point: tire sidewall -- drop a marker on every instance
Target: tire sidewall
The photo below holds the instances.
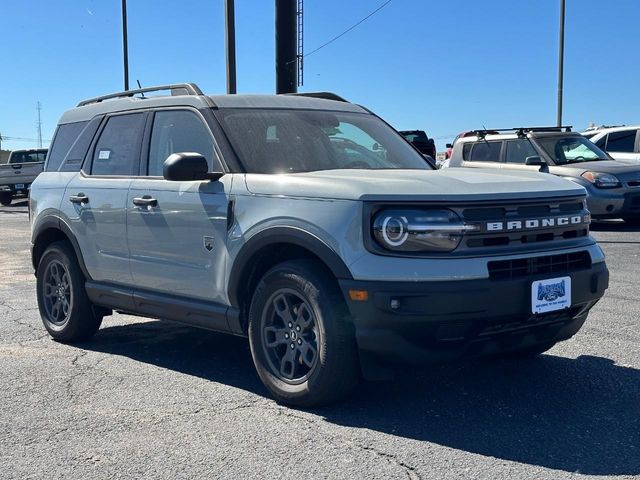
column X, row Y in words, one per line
column 313, row 289
column 53, row 254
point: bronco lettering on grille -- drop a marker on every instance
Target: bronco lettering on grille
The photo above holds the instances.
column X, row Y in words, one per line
column 534, row 223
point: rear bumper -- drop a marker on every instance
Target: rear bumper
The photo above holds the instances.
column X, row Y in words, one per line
column 446, row 321
column 14, row 190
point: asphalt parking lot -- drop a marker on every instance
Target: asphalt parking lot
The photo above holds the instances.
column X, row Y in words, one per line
column 158, row 400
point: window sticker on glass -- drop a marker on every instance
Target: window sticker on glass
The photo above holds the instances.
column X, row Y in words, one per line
column 104, row 154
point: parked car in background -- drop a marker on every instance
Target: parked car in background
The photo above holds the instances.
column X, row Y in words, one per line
column 307, row 225
column 622, row 143
column 420, row 140
column 21, row 169
column 613, row 187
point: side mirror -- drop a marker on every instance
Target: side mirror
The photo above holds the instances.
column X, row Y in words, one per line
column 449, row 145
column 188, row 166
column 535, row 160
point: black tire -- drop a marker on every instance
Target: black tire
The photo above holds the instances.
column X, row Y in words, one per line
column 307, row 291
column 633, row 220
column 5, row 199
column 61, row 282
column 529, row 352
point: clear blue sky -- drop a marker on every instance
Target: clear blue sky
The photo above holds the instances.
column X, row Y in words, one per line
column 442, row 66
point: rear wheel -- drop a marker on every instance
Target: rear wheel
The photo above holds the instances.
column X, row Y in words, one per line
column 65, row 309
column 301, row 342
column 5, row 198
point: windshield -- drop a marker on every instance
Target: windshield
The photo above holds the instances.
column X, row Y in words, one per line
column 574, row 149
column 291, row 141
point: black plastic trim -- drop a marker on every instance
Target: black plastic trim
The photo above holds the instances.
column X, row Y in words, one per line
column 276, row 235
column 54, row 222
column 194, row 312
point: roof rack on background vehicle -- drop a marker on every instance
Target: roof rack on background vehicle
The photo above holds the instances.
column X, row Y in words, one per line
column 175, row 89
column 520, row 130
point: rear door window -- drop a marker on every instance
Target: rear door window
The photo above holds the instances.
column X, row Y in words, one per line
column 485, row 152
column 623, row 142
column 117, row 151
column 518, row 151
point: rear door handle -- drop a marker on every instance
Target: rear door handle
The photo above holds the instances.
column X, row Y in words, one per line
column 79, row 199
column 145, row 201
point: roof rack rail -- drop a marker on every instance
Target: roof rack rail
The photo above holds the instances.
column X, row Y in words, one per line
column 176, row 89
column 324, row 95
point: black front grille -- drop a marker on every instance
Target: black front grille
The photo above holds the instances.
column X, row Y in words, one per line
column 521, row 212
column 552, row 264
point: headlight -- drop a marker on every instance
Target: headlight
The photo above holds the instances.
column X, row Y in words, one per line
column 408, row 230
column 602, row 180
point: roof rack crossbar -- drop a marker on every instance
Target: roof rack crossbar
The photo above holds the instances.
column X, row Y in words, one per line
column 521, row 130
column 324, row 95
column 176, row 89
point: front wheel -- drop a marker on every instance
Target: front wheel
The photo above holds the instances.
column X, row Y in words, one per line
column 64, row 306
column 5, row 198
column 301, row 341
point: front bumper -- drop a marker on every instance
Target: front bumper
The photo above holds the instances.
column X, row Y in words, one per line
column 614, row 203
column 446, row 321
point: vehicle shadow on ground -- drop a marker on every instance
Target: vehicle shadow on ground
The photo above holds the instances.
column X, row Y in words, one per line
column 575, row 415
column 613, row 226
column 17, row 206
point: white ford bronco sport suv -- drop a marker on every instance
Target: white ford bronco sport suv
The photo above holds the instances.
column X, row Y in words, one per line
column 309, row 225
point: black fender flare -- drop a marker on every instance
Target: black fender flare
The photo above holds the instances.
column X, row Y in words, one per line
column 54, row 222
column 288, row 235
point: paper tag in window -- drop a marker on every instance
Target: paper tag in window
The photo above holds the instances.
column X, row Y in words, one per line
column 104, row 154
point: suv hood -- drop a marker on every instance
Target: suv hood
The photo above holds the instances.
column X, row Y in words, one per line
column 605, row 166
column 453, row 184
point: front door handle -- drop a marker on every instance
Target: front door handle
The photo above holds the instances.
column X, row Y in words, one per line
column 79, row 199
column 145, row 201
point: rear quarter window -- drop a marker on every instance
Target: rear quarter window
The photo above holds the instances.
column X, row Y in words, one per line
column 63, row 139
column 483, row 152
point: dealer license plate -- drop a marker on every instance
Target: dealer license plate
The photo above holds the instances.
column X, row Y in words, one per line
column 551, row 294
column 19, row 186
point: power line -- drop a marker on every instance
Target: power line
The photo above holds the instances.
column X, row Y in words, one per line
column 349, row 29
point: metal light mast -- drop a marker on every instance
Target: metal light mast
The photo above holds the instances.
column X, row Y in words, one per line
column 39, row 107
column 560, row 64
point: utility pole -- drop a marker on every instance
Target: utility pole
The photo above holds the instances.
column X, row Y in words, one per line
column 561, row 64
column 286, row 46
column 230, row 30
column 125, row 48
column 39, row 107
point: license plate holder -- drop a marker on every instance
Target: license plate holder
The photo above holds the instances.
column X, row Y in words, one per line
column 550, row 295
column 19, row 186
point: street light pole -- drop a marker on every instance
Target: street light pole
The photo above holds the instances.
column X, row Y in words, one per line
column 561, row 64
column 230, row 30
column 125, row 48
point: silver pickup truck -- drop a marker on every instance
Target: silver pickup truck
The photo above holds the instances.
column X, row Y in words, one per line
column 21, row 170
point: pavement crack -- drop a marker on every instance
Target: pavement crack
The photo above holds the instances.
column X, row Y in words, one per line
column 393, row 459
